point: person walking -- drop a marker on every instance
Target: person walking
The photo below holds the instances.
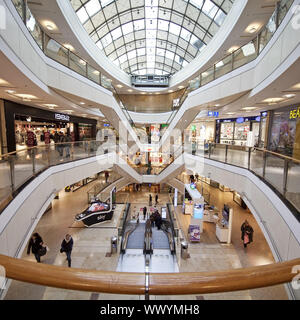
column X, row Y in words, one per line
column 67, row 246
column 156, row 199
column 67, row 139
column 144, row 212
column 247, row 233
column 150, row 200
column 36, row 246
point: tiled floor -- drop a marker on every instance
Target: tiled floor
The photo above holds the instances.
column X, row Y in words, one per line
column 92, row 244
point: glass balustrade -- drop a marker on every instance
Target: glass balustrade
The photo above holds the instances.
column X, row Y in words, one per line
column 292, row 191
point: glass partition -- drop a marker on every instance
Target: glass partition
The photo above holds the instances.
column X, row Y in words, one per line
column 19, row 4
column 56, row 51
column 274, row 171
column 293, row 185
column 93, row 74
column 207, row 76
column 224, row 66
column 34, row 28
column 245, row 54
column 77, row 64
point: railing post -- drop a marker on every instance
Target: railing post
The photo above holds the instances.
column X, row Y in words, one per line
column 285, row 176
column 226, row 152
column 209, row 151
column 11, row 160
column 69, row 58
column 24, row 9
column 232, row 61
column 33, row 153
column 249, row 158
column 264, row 164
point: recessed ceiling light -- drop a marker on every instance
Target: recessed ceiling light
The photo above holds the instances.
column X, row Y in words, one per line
column 96, row 72
column 143, row 92
column 252, row 28
column 232, row 49
column 157, row 92
column 296, row 86
column 217, row 105
column 49, row 25
column 180, row 87
column 249, row 108
column 82, row 62
column 3, row 82
column 129, row 90
column 119, row 86
column 25, row 96
column 289, row 95
column 230, row 113
column 170, row 91
column 50, row 105
column 272, row 100
column 69, row 46
column 82, row 103
column 10, row 91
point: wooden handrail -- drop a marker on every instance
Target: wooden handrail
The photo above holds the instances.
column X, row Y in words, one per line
column 159, row 283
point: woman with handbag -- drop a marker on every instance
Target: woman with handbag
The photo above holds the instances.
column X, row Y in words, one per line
column 67, row 246
column 36, row 246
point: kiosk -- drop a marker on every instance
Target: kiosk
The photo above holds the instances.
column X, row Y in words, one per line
column 224, row 225
column 98, row 211
column 194, row 205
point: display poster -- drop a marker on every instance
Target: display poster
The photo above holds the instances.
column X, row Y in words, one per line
column 194, row 233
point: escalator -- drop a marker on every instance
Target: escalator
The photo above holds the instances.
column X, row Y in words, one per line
column 145, row 247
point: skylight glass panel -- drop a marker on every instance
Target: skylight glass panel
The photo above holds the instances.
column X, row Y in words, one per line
column 105, row 2
column 175, row 28
column 82, row 15
column 106, row 40
column 92, row 7
column 99, row 44
column 196, row 3
column 131, row 54
column 117, row 33
column 139, row 24
column 220, row 17
column 169, row 55
column 210, row 8
column 185, row 34
column 123, row 58
column 163, row 25
column 160, row 52
column 127, row 28
column 141, row 52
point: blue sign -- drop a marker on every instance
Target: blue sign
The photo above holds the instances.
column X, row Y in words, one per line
column 264, row 114
column 213, row 113
column 240, row 120
column 106, row 124
column 257, row 119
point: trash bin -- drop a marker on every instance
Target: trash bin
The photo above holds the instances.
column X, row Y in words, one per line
column 114, row 244
column 184, row 250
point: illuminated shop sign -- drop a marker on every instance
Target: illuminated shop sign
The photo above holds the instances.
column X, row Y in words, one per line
column 239, row 120
column 213, row 114
column 264, row 114
column 106, row 124
column 295, row 113
column 63, row 117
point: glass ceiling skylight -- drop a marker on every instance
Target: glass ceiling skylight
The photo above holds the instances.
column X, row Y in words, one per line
column 151, row 36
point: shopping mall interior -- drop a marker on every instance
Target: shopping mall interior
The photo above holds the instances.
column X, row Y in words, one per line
column 150, row 150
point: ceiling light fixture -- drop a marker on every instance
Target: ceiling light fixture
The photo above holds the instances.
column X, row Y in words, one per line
column 232, row 49
column 49, row 25
column 82, row 103
column 26, row 96
column 289, row 95
column 180, row 87
column 129, row 90
column 3, row 82
column 119, row 86
column 252, row 28
column 249, row 108
column 273, row 100
column 69, row 46
column 10, row 91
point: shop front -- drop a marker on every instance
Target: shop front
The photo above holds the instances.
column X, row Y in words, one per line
column 243, row 131
column 26, row 126
column 285, row 131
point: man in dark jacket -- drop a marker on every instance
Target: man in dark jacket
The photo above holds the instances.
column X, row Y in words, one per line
column 67, row 246
column 35, row 244
column 144, row 212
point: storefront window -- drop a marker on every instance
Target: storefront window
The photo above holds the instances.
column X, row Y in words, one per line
column 227, row 132
column 241, row 131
